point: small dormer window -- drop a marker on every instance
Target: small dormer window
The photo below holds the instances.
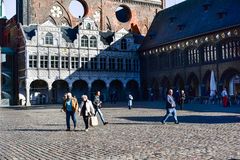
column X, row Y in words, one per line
column 221, row 14
column 93, row 41
column 123, row 44
column 181, row 27
column 84, row 41
column 206, row 7
column 88, row 26
column 49, row 38
column 172, row 19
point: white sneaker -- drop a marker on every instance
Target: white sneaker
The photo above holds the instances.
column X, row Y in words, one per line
column 86, row 130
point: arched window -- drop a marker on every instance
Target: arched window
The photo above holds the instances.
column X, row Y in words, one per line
column 93, row 41
column 231, row 49
column 49, row 38
column 88, row 26
column 193, row 56
column 84, row 41
column 209, row 53
column 123, row 44
column 177, row 58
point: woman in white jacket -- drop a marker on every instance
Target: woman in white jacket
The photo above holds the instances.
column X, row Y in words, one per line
column 86, row 109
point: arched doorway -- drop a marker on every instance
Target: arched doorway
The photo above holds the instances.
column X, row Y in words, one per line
column 165, row 85
column 231, row 80
column 38, row 92
column 133, row 88
column 154, row 95
column 205, row 90
column 116, row 91
column 178, row 82
column 59, row 88
column 99, row 85
column 193, row 84
column 79, row 88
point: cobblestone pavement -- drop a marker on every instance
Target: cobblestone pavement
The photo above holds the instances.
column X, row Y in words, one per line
column 204, row 132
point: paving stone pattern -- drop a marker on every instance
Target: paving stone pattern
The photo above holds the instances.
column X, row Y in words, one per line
column 205, row 132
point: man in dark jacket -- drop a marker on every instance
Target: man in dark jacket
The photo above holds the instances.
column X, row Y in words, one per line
column 170, row 107
column 97, row 105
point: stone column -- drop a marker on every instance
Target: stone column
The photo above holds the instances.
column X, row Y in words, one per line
column 50, row 94
column 28, row 95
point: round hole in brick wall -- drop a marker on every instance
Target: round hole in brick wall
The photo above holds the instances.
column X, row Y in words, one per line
column 78, row 8
column 123, row 13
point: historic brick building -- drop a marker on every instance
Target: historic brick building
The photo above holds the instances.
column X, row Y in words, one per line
column 188, row 41
column 58, row 52
column 108, row 14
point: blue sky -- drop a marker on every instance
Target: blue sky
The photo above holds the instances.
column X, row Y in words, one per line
column 10, row 6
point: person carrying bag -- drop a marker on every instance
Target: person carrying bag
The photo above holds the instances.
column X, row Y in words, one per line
column 86, row 110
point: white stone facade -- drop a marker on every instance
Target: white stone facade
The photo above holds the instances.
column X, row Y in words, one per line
column 56, row 62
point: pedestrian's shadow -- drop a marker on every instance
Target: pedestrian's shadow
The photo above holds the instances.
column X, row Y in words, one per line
column 44, row 130
column 188, row 119
column 37, row 130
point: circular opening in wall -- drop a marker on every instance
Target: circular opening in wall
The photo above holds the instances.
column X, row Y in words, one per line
column 123, row 13
column 78, row 8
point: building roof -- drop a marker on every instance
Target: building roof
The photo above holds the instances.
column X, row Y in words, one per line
column 191, row 18
column 69, row 34
column 30, row 31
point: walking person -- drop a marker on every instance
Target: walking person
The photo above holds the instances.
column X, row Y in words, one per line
column 130, row 101
column 97, row 103
column 224, row 97
column 182, row 98
column 170, row 107
column 70, row 107
column 86, row 110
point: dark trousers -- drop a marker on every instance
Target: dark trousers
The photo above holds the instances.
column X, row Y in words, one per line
column 85, row 119
column 73, row 115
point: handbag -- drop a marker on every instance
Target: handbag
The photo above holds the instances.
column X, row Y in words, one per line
column 93, row 121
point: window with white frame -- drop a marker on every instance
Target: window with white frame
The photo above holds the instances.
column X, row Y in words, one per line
column 193, row 56
column 32, row 61
column 119, row 64
column 128, row 65
column 135, row 65
column 74, row 62
column 84, row 41
column 43, row 61
column 111, row 64
column 231, row 49
column 94, row 63
column 88, row 26
column 84, row 62
column 49, row 38
column 93, row 41
column 103, row 63
column 65, row 63
column 54, row 62
column 209, row 53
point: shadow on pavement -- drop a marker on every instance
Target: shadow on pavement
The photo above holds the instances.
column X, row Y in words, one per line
column 189, row 119
column 38, row 130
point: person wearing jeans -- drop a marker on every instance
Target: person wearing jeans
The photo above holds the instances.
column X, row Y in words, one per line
column 170, row 107
column 70, row 106
column 97, row 105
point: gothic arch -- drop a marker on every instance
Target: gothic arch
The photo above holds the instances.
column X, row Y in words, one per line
column 178, row 82
column 133, row 87
column 193, row 84
column 39, row 92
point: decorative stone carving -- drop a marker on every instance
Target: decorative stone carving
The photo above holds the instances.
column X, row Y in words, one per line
column 56, row 11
